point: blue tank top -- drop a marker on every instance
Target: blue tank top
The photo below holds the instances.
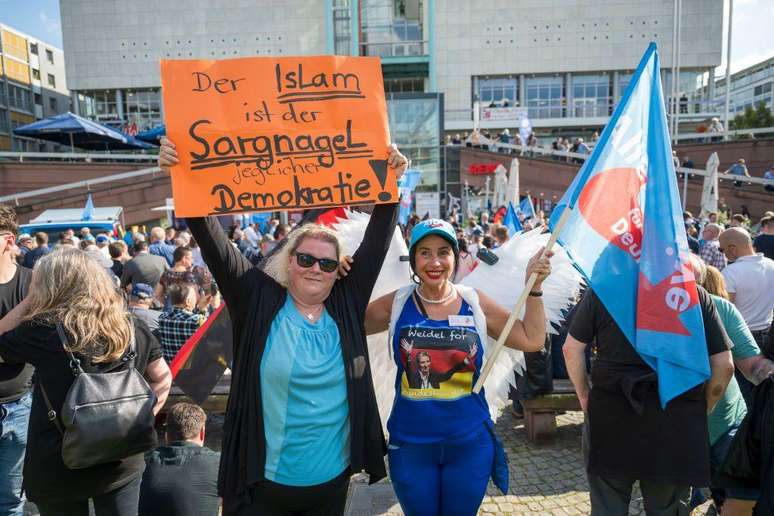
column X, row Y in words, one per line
column 438, row 364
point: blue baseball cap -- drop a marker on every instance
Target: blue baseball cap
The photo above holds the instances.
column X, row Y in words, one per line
column 142, row 291
column 101, row 239
column 433, row 227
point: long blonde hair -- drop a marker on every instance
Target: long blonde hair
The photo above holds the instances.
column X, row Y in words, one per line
column 71, row 288
column 277, row 267
column 715, row 283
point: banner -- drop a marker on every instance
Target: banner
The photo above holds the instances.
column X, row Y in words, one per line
column 504, row 114
column 266, row 134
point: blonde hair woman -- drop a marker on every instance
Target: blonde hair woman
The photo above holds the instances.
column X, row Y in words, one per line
column 72, row 289
column 302, row 414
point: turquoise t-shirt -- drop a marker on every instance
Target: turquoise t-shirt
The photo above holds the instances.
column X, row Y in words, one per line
column 304, row 393
column 731, row 408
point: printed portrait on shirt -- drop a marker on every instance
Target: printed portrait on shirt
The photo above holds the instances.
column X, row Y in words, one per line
column 438, row 363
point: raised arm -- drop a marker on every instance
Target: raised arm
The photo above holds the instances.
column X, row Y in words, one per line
column 369, row 257
column 378, row 314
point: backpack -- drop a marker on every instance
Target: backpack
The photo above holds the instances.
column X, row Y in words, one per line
column 106, row 416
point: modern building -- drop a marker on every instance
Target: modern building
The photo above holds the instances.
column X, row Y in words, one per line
column 562, row 63
column 749, row 87
column 32, row 86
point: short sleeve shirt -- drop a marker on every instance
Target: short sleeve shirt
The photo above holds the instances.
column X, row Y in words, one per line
column 751, row 280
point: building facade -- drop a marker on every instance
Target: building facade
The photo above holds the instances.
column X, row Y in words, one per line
column 561, row 63
column 749, row 87
column 32, row 87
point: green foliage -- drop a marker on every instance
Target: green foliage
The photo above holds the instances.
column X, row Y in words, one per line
column 753, row 118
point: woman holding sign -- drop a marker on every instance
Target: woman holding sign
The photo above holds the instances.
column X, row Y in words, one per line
column 302, row 414
column 442, row 448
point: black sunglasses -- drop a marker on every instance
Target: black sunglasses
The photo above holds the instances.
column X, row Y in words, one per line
column 307, row 260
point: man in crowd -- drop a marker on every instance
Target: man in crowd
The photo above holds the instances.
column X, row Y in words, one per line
column 25, row 244
column 750, row 284
column 485, row 227
column 42, row 249
column 769, row 174
column 140, row 301
column 119, row 254
column 738, row 169
column 143, row 268
column 710, row 249
column 764, row 242
column 103, row 242
column 181, row 477
column 169, row 235
column 628, row 436
column 501, row 236
column 253, row 234
column 159, row 247
column 15, row 380
column 177, row 325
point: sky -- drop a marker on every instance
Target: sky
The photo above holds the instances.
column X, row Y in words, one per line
column 752, row 41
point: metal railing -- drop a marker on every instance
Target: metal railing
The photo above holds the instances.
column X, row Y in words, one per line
column 152, row 171
column 91, row 157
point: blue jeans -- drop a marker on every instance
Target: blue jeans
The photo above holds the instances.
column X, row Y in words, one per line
column 14, row 417
column 447, row 478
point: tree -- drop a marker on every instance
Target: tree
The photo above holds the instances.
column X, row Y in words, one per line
column 754, row 118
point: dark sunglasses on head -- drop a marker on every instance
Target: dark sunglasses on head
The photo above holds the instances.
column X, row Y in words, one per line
column 307, row 260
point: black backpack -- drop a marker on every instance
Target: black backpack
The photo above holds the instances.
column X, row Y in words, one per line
column 106, row 416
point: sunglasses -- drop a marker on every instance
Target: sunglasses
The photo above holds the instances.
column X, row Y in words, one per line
column 307, row 260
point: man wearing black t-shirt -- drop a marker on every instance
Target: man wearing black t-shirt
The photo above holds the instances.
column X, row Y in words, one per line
column 15, row 380
column 764, row 242
column 181, row 477
column 628, row 436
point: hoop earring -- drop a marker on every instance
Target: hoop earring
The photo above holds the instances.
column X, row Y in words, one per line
column 414, row 277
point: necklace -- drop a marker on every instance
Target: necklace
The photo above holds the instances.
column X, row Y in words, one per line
column 451, row 294
column 309, row 315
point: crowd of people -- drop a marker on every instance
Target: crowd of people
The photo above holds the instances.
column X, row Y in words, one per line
column 302, row 415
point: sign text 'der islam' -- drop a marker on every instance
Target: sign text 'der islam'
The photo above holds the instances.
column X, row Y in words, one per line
column 265, row 134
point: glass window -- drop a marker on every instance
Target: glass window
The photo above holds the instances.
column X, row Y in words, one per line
column 51, row 80
column 19, row 98
column 495, row 91
column 34, row 48
column 391, row 28
column 4, row 121
column 36, row 74
column 591, row 95
column 415, row 128
column 38, row 99
column 544, row 96
column 342, row 31
column 50, row 56
column 52, row 104
column 404, row 85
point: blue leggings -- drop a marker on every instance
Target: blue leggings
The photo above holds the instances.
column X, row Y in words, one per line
column 444, row 479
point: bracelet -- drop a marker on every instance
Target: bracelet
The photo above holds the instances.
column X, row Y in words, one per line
column 534, row 293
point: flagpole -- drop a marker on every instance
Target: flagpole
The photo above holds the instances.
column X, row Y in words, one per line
column 726, row 128
column 498, row 347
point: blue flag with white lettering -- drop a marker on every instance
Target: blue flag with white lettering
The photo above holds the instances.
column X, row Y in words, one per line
column 511, row 221
column 626, row 235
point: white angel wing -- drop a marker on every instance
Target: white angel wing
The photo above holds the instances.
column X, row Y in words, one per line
column 504, row 282
column 394, row 274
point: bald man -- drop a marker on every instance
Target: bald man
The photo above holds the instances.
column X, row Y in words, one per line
column 710, row 248
column 750, row 283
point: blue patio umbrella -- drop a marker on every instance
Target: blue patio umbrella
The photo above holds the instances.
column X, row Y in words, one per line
column 77, row 131
column 152, row 135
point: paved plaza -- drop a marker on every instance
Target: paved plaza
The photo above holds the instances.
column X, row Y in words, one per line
column 545, row 480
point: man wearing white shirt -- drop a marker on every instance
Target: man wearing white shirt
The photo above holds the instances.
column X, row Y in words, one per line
column 750, row 283
column 252, row 235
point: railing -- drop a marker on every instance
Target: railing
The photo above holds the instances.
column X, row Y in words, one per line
column 709, row 137
column 395, row 49
column 30, row 157
column 523, row 150
column 80, row 184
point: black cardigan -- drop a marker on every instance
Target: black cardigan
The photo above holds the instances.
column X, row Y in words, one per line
column 253, row 299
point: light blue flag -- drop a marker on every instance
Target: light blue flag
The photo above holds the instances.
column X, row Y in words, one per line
column 526, row 208
column 625, row 234
column 88, row 210
column 511, row 221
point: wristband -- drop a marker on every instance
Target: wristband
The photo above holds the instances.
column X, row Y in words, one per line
column 534, row 293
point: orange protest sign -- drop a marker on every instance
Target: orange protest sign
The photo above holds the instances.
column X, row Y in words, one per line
column 260, row 134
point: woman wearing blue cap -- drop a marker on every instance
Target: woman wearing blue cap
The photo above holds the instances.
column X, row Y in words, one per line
column 442, row 447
